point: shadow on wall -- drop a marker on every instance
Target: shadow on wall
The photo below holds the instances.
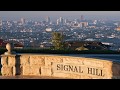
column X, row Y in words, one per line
column 18, row 66
column 116, row 70
column 0, row 64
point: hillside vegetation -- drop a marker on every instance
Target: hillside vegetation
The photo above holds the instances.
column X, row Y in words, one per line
column 49, row 51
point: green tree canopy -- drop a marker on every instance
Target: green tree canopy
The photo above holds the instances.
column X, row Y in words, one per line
column 57, row 40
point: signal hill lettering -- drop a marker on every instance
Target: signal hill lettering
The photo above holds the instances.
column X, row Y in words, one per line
column 79, row 69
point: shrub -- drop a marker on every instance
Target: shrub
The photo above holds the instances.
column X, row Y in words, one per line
column 66, row 51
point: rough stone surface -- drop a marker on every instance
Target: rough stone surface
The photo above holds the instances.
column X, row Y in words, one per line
column 7, row 71
column 4, row 61
column 93, row 62
column 24, row 60
column 59, row 66
column 11, row 61
column 46, row 71
column 37, row 60
column 73, row 60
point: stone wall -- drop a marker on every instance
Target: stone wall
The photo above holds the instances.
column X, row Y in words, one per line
column 59, row 66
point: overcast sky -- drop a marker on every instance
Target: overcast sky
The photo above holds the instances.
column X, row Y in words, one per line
column 40, row 15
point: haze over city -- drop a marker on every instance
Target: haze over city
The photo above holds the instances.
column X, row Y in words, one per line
column 35, row 28
column 40, row 15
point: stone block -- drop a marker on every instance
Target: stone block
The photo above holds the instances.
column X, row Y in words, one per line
column 4, row 61
column 73, row 60
column 37, row 60
column 85, row 77
column 50, row 59
column 26, row 70
column 68, row 68
column 62, row 75
column 46, row 71
column 11, row 61
column 25, row 60
column 75, row 69
column 75, row 76
column 35, row 70
column 31, row 70
column 7, row 71
column 93, row 62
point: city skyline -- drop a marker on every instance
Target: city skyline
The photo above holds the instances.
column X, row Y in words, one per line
column 39, row 32
column 40, row 15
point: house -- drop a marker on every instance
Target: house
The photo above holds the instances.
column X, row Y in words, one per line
column 2, row 43
column 86, row 45
column 18, row 45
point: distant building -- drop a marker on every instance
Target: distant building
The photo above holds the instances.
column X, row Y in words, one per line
column 48, row 20
column 0, row 22
column 86, row 45
column 18, row 45
column 81, row 48
column 2, row 43
column 22, row 21
column 48, row 29
column 60, row 21
column 82, row 18
column 118, row 28
column 66, row 21
column 95, row 22
column 46, row 45
column 57, row 21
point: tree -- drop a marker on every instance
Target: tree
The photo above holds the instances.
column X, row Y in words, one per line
column 57, row 40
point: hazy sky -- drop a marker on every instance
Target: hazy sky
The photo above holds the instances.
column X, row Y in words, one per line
column 40, row 15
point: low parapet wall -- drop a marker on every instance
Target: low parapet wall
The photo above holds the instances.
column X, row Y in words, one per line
column 59, row 66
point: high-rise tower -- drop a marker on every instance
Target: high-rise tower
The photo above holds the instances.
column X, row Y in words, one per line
column 0, row 22
column 22, row 20
column 48, row 19
column 82, row 18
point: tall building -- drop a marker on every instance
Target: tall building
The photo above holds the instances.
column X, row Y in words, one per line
column 83, row 24
column 95, row 22
column 58, row 21
column 82, row 18
column 48, row 19
column 0, row 22
column 61, row 21
column 22, row 21
column 66, row 21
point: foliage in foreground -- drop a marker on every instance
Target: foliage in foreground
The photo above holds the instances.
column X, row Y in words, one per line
column 0, row 73
column 49, row 51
